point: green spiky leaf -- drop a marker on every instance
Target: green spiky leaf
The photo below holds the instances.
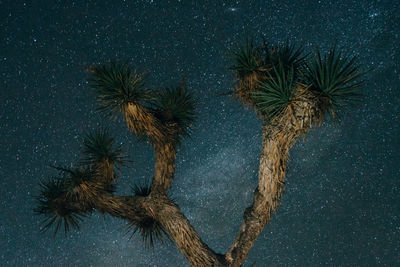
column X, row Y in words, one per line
column 246, row 59
column 273, row 95
column 117, row 85
column 174, row 107
column 334, row 77
column 287, row 55
column 99, row 147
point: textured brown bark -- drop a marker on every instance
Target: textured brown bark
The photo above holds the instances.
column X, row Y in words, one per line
column 266, row 197
column 277, row 138
column 167, row 213
column 164, row 167
column 246, row 86
column 183, row 234
column 157, row 205
column 143, row 123
column 130, row 208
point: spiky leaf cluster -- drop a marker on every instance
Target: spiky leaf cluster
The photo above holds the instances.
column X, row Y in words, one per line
column 246, row 59
column 335, row 77
column 81, row 185
column 149, row 229
column 53, row 205
column 283, row 71
column 141, row 190
column 117, row 85
column 154, row 115
column 99, row 147
column 174, row 107
column 275, row 93
column 285, row 54
column 277, row 87
column 66, row 199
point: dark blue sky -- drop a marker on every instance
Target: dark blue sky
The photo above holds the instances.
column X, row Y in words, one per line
column 342, row 200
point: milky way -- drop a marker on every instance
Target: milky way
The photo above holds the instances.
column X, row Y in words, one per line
column 342, row 199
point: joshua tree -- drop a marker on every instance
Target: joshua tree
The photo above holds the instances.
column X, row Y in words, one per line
column 289, row 91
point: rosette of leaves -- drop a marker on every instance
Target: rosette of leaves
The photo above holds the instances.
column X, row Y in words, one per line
column 247, row 59
column 142, row 190
column 335, row 78
column 98, row 148
column 117, row 85
column 149, row 229
column 54, row 206
column 84, row 185
column 285, row 54
column 275, row 93
column 174, row 108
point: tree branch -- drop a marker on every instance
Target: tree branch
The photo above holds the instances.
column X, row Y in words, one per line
column 277, row 138
column 163, row 210
column 164, row 167
column 142, row 122
column 182, row 233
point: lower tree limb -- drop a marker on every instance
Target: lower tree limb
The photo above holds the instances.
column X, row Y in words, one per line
column 162, row 209
column 179, row 229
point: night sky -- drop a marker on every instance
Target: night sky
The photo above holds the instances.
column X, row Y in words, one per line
column 341, row 205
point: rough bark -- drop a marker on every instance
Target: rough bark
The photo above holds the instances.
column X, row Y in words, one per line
column 246, row 86
column 142, row 122
column 164, row 167
column 130, row 208
column 266, row 197
column 277, row 138
column 160, row 208
column 183, row 234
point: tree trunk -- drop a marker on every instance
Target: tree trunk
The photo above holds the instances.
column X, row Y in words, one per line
column 278, row 136
column 266, row 196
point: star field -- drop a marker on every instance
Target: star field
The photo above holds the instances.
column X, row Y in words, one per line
column 341, row 204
